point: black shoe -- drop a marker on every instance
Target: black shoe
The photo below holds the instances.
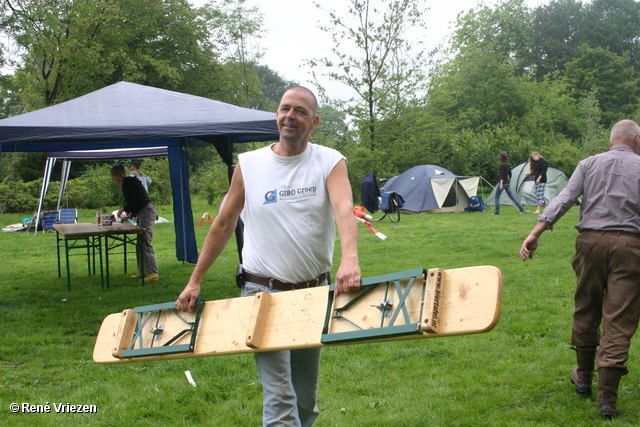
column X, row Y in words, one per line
column 608, row 410
column 582, row 387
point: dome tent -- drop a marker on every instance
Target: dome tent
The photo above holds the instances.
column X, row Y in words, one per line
column 524, row 187
column 430, row 188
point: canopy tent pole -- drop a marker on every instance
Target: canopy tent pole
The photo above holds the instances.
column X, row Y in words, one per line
column 64, row 178
column 45, row 186
column 186, row 249
column 226, row 152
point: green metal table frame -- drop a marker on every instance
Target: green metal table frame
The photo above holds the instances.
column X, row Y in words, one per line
column 89, row 236
column 393, row 310
column 115, row 240
column 149, row 317
column 91, row 240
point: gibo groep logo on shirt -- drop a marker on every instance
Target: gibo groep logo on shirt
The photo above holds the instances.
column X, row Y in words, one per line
column 290, row 196
column 271, row 197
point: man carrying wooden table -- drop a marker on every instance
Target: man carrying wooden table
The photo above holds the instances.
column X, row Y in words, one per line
column 288, row 194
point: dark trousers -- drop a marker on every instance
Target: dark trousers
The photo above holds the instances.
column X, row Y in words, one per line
column 145, row 254
column 607, row 267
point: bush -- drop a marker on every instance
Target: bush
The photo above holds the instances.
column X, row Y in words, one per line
column 20, row 197
column 160, row 189
column 94, row 189
column 211, row 181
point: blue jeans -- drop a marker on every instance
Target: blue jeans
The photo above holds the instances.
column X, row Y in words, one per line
column 507, row 188
column 289, row 381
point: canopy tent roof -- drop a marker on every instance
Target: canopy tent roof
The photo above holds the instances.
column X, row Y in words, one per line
column 128, row 111
column 129, row 115
column 116, row 153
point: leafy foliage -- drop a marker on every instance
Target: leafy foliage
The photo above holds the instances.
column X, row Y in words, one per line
column 375, row 59
column 93, row 189
column 552, row 78
column 210, row 180
column 70, row 48
column 20, row 196
column 610, row 77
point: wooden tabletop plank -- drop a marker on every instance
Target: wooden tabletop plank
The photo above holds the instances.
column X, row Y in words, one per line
column 87, row 229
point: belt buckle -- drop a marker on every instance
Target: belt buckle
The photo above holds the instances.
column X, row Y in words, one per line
column 310, row 282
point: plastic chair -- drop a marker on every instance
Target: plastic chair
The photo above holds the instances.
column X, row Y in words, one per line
column 68, row 216
column 48, row 219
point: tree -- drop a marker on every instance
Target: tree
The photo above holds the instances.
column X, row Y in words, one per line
column 607, row 75
column 273, row 87
column 333, row 130
column 594, row 134
column 615, row 26
column 9, row 103
column 51, row 35
column 72, row 47
column 560, row 27
column 479, row 89
column 504, row 31
column 556, row 35
column 237, row 31
column 375, row 59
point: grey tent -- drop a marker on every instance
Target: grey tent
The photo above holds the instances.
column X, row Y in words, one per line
column 524, row 187
column 429, row 188
column 128, row 115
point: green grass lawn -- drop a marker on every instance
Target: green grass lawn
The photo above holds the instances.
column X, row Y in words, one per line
column 515, row 375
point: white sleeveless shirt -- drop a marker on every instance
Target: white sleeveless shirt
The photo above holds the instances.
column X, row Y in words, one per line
column 289, row 230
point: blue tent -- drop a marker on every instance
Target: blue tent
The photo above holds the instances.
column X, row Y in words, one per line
column 129, row 115
column 429, row 188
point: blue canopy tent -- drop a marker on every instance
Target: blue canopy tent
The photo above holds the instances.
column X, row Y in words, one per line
column 129, row 115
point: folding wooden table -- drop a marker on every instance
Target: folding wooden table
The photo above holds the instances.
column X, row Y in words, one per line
column 120, row 235
column 89, row 236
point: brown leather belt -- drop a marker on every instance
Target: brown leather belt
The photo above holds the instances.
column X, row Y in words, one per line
column 616, row 232
column 278, row 285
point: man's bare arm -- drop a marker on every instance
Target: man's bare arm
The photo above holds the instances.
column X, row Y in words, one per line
column 219, row 234
column 348, row 275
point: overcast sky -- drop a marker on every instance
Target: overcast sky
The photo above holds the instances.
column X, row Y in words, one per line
column 292, row 34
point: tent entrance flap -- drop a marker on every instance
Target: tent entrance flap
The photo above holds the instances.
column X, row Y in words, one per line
column 442, row 189
column 186, row 249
